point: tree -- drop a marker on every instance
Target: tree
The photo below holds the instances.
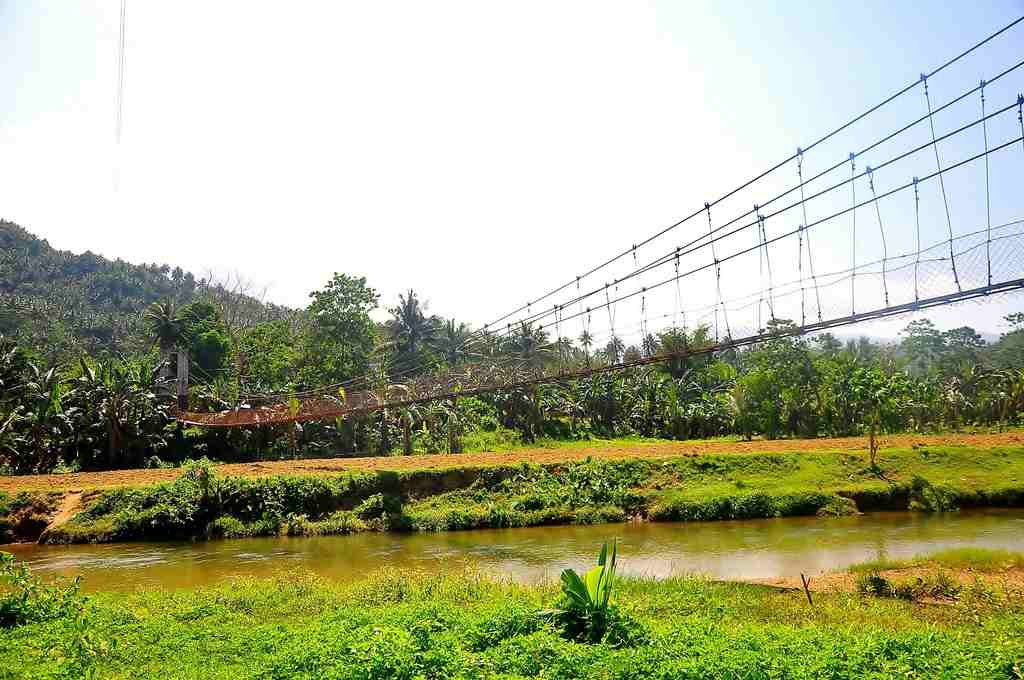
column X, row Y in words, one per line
column 413, row 331
column 779, row 388
column 118, row 419
column 166, row 325
column 205, row 337
column 586, row 342
column 529, row 343
column 923, row 345
column 678, row 344
column 452, row 342
column 829, row 344
column 266, row 356
column 650, row 345
column 1008, row 352
column 963, row 347
column 614, row 350
column 338, row 338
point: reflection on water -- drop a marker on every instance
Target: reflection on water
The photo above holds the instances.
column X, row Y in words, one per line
column 740, row 549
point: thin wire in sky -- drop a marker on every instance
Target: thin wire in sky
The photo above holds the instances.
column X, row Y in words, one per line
column 119, row 103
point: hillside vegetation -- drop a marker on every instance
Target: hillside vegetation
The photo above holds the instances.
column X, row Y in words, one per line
column 60, row 305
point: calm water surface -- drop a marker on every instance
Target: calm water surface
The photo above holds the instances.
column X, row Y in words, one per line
column 739, row 549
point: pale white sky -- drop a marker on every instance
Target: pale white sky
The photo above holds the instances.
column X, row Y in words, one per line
column 479, row 152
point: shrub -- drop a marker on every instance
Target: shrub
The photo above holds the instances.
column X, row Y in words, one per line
column 227, row 527
column 378, row 505
column 873, row 584
column 25, row 599
column 930, row 498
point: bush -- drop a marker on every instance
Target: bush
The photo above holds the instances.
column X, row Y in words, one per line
column 25, row 599
column 929, row 498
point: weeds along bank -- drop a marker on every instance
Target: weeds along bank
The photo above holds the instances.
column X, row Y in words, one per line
column 403, row 625
column 200, row 504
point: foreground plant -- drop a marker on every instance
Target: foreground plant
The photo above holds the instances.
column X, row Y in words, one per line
column 588, row 614
column 26, row 599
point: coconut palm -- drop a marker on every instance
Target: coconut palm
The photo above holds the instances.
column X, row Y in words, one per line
column 614, row 349
column 529, row 343
column 166, row 325
column 586, row 342
column 412, row 329
column 452, row 342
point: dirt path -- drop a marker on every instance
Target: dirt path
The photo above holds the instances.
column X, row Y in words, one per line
column 606, row 451
column 70, row 506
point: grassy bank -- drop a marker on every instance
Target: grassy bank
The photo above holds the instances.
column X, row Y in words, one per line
column 405, row 625
column 706, row 487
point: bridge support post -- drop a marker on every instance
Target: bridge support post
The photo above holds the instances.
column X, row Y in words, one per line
column 384, row 445
column 182, row 379
column 406, row 433
column 454, row 444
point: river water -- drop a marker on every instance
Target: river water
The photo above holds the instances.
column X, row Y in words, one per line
column 751, row 549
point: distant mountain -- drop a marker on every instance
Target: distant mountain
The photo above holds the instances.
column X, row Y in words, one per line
column 59, row 303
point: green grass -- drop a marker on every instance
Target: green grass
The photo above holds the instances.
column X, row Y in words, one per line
column 974, row 559
column 690, row 488
column 403, row 625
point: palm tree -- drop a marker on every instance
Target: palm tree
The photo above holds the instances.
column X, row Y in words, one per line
column 166, row 325
column 650, row 345
column 586, row 341
column 411, row 328
column 452, row 342
column 614, row 349
column 529, row 344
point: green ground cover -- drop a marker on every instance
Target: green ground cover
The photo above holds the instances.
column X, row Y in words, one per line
column 705, row 487
column 985, row 560
column 402, row 626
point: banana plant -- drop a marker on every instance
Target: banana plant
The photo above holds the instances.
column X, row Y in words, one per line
column 588, row 597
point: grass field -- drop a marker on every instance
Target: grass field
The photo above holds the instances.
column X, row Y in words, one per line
column 402, row 626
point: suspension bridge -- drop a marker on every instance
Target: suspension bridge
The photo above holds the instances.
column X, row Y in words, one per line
column 923, row 212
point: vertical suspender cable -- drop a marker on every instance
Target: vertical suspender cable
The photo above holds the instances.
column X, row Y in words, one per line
column 718, row 280
column 810, row 255
column 768, row 262
column 760, row 276
column 988, row 194
column 942, row 182
column 917, row 224
column 853, row 241
column 881, row 230
column 800, row 239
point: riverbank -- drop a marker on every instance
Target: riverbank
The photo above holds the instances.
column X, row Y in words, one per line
column 201, row 504
column 400, row 624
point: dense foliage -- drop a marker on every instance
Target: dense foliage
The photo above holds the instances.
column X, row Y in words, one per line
column 75, row 398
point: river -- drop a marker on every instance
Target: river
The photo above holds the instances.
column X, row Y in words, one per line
column 752, row 549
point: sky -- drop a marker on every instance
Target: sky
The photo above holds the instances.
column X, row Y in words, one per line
column 483, row 153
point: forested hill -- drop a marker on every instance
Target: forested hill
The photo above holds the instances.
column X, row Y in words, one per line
column 62, row 304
